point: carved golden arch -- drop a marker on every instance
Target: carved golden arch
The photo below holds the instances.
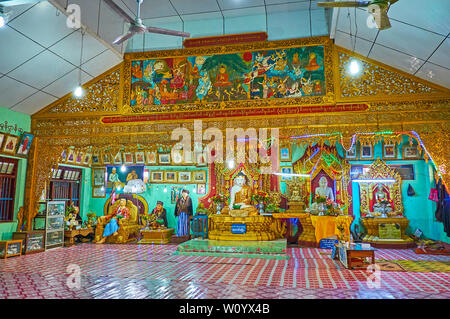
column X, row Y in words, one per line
column 377, row 171
column 225, row 176
column 326, row 159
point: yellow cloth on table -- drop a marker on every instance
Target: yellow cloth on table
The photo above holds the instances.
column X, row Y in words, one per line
column 326, row 226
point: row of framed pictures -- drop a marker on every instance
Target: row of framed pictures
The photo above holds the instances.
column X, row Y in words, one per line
column 68, row 174
column 16, row 145
column 389, row 152
column 181, row 177
column 176, row 157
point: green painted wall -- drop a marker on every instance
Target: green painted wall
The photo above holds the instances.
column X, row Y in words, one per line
column 152, row 195
column 13, row 123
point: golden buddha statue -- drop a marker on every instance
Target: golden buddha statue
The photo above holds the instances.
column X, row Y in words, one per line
column 240, row 195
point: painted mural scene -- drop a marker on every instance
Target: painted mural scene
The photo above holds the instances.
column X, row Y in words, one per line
column 282, row 73
column 247, row 156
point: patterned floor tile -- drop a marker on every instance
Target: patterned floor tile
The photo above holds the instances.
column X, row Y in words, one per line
column 152, row 271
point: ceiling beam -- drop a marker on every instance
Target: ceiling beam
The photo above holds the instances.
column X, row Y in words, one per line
column 88, row 30
column 11, row 3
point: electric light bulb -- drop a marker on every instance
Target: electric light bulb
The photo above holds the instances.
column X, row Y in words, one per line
column 165, row 189
column 123, row 168
column 2, row 21
column 354, row 67
column 78, row 91
column 230, row 164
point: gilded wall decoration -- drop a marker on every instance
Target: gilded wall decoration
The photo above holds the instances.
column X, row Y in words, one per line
column 101, row 95
column 422, row 109
column 377, row 80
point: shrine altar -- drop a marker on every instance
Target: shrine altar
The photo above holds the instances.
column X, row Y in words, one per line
column 257, row 228
column 156, row 236
column 316, row 227
column 326, row 226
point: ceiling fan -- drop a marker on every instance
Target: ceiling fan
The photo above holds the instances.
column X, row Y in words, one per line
column 136, row 25
column 377, row 8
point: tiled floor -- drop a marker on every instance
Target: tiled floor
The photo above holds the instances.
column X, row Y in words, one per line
column 151, row 271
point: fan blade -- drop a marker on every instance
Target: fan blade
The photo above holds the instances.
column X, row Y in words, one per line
column 119, row 11
column 344, row 4
column 123, row 38
column 168, row 32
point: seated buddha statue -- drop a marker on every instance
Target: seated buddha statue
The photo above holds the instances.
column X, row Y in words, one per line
column 379, row 197
column 240, row 195
column 323, row 189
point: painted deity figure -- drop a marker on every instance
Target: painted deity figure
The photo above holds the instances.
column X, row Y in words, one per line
column 323, row 189
column 204, row 85
column 379, row 197
column 222, row 78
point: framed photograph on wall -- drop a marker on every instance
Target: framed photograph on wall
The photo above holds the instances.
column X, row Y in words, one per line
column 410, row 152
column 118, row 158
column 164, row 158
column 79, row 158
column 63, row 156
column 25, row 144
column 389, row 151
column 106, row 158
column 285, row 154
column 366, row 152
column 140, row 157
column 98, row 192
column 184, row 177
column 286, row 170
column 128, row 158
column 98, row 176
column 157, row 177
column 2, row 138
column 351, row 154
column 10, row 144
column 87, row 159
column 200, row 177
column 200, row 159
column 151, row 157
column 170, row 177
column 177, row 156
column 71, row 156
column 201, row 189
column 95, row 159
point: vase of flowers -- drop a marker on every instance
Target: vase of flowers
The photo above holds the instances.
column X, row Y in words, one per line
column 261, row 197
column 321, row 202
column 219, row 201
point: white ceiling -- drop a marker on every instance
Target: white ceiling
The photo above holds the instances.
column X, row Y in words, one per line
column 40, row 62
column 418, row 41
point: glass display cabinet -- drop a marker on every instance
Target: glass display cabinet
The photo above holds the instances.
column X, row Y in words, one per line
column 55, row 224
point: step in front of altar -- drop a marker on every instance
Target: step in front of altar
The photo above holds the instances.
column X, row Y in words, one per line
column 274, row 249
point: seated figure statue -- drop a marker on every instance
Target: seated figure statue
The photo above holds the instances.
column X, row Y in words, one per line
column 240, row 195
column 379, row 197
column 112, row 226
column 323, row 189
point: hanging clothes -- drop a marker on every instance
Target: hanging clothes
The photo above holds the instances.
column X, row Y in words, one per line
column 442, row 213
